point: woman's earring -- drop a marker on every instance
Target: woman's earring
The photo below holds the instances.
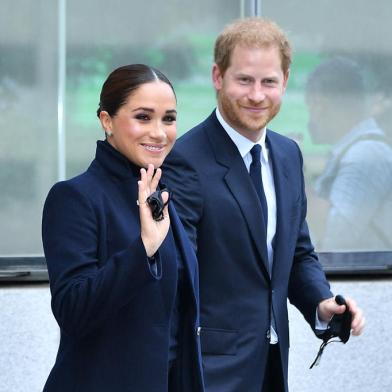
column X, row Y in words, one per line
column 108, row 133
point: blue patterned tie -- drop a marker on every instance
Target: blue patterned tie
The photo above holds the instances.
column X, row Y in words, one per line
column 255, row 175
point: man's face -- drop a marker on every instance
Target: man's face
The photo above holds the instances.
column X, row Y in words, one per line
column 318, row 119
column 329, row 117
column 251, row 90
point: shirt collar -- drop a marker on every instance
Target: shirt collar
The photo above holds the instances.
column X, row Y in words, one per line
column 243, row 144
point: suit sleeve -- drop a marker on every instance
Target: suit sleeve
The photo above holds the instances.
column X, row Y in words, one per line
column 183, row 180
column 308, row 284
column 87, row 291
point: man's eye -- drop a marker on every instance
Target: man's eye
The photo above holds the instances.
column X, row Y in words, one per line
column 244, row 80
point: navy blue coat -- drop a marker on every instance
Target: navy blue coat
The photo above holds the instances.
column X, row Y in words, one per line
column 221, row 212
column 114, row 312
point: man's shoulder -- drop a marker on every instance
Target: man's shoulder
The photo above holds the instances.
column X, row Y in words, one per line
column 198, row 132
column 277, row 141
column 195, row 142
column 279, row 137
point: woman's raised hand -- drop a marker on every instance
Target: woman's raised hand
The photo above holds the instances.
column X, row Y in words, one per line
column 152, row 232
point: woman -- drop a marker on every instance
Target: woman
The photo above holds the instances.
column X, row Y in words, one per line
column 124, row 285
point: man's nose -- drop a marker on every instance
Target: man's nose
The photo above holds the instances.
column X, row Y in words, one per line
column 256, row 93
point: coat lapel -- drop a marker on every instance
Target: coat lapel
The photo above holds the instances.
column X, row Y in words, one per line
column 240, row 185
column 184, row 246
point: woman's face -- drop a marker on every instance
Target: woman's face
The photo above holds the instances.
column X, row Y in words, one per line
column 144, row 128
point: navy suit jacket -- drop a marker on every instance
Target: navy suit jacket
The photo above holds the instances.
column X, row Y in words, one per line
column 113, row 310
column 221, row 212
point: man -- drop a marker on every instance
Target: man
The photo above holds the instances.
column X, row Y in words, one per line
column 356, row 179
column 250, row 260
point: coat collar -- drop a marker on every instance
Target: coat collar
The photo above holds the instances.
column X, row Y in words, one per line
column 115, row 163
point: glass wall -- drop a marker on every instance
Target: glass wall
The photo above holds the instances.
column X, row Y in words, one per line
column 337, row 106
column 175, row 36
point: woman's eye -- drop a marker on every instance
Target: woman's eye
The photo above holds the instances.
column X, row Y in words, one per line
column 142, row 116
column 169, row 119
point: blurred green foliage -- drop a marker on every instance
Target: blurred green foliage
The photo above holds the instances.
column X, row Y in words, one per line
column 188, row 65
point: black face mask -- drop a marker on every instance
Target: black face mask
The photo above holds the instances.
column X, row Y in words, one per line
column 339, row 327
column 156, row 203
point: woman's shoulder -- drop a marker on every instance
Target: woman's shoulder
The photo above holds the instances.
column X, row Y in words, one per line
column 82, row 186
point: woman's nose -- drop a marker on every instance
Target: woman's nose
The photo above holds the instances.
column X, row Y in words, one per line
column 158, row 130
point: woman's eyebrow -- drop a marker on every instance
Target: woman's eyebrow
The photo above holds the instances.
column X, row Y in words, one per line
column 143, row 108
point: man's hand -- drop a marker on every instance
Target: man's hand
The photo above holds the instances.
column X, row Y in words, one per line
column 327, row 308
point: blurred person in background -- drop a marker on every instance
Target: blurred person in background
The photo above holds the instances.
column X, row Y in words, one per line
column 356, row 181
column 382, row 102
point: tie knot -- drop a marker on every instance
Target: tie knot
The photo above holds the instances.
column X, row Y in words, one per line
column 255, row 151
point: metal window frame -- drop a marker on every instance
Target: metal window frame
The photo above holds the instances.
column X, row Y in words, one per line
column 355, row 265
column 250, row 8
column 61, row 85
column 23, row 269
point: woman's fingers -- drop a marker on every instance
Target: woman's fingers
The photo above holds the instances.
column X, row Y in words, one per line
column 150, row 175
column 150, row 178
column 165, row 196
column 148, row 184
column 155, row 180
column 143, row 187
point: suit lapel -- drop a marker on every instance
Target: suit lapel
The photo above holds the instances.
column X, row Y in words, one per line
column 239, row 183
column 280, row 174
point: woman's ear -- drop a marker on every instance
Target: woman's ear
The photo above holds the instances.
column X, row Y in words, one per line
column 106, row 122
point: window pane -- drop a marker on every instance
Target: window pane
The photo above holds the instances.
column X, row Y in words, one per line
column 178, row 39
column 338, row 107
column 28, row 104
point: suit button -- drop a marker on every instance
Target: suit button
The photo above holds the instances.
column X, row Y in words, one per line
column 268, row 335
column 198, row 331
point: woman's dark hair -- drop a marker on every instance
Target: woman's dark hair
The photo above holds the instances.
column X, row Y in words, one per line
column 123, row 81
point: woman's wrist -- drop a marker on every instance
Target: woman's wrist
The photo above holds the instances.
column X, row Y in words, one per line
column 149, row 248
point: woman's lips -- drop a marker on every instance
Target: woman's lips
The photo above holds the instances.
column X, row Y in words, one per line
column 155, row 148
